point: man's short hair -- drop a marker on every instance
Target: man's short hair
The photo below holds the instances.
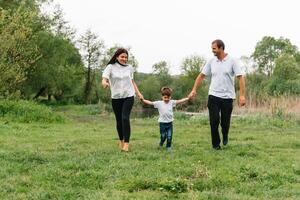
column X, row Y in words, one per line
column 166, row 91
column 220, row 44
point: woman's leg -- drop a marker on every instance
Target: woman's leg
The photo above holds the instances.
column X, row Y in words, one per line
column 126, row 110
column 117, row 105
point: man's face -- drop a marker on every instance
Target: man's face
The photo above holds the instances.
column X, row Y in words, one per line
column 216, row 51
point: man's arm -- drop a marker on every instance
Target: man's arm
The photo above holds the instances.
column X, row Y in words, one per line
column 242, row 99
column 197, row 84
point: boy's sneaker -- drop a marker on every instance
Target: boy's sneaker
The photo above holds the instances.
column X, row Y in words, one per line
column 169, row 149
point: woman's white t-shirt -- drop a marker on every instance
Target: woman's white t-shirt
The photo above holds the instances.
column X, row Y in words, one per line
column 120, row 80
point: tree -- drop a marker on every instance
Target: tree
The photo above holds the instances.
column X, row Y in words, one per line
column 269, row 49
column 92, row 49
column 58, row 72
column 161, row 70
column 18, row 52
column 248, row 64
column 286, row 79
column 191, row 65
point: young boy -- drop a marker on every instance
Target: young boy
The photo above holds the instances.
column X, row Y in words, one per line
column 165, row 109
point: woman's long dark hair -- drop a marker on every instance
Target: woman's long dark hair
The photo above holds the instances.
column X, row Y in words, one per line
column 113, row 60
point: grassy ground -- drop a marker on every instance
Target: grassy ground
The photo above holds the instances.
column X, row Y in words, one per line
column 79, row 159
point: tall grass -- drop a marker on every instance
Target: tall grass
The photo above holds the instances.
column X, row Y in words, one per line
column 27, row 111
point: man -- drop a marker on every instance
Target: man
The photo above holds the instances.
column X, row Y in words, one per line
column 222, row 69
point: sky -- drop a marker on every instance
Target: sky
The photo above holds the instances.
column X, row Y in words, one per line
column 172, row 30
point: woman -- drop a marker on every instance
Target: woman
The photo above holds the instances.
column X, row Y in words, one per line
column 119, row 76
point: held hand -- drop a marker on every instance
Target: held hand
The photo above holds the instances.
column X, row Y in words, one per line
column 192, row 94
column 242, row 101
column 141, row 97
column 105, row 85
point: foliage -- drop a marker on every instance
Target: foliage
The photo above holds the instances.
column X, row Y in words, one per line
column 269, row 49
column 286, row 78
column 92, row 49
column 18, row 52
column 161, row 71
column 27, row 111
column 191, row 66
column 59, row 71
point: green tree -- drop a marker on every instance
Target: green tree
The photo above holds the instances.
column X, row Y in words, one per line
column 92, row 49
column 59, row 71
column 286, row 79
column 269, row 49
column 18, row 52
column 191, row 65
column 161, row 70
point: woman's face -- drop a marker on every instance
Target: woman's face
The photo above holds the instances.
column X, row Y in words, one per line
column 123, row 58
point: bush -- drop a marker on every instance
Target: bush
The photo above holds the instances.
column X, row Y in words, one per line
column 27, row 111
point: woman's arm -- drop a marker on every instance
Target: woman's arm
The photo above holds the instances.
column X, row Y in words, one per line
column 137, row 91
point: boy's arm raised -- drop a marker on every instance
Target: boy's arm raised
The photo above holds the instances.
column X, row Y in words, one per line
column 145, row 101
column 182, row 100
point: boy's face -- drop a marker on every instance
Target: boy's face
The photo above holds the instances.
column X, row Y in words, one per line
column 166, row 98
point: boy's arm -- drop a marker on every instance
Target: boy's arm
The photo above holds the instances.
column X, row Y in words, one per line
column 145, row 101
column 182, row 100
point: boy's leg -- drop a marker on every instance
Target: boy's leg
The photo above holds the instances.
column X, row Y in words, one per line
column 163, row 136
column 169, row 135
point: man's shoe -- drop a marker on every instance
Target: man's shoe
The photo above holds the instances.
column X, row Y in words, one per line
column 217, row 148
column 225, row 141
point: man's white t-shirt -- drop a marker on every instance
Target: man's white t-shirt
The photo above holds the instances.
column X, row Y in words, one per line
column 120, row 80
column 165, row 110
column 222, row 76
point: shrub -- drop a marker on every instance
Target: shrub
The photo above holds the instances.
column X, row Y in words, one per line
column 27, row 111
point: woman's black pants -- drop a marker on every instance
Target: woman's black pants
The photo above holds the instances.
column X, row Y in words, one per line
column 122, row 108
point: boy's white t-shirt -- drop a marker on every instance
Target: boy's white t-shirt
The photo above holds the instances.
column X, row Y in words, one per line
column 165, row 110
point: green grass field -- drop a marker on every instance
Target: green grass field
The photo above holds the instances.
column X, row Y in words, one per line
column 79, row 159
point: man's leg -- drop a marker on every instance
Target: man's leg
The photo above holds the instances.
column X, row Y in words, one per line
column 226, row 110
column 214, row 119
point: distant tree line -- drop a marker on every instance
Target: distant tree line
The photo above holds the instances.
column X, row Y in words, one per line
column 40, row 59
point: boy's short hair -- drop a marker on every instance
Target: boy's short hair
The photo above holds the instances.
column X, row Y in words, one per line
column 166, row 91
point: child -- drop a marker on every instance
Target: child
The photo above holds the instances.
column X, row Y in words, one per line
column 165, row 109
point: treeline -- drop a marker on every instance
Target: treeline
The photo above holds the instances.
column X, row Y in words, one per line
column 40, row 59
